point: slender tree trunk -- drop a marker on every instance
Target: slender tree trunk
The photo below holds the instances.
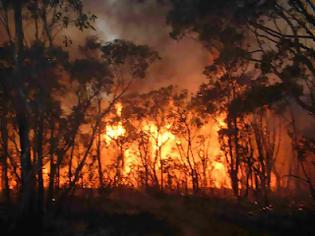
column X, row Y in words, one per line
column 155, row 174
column 50, row 190
column 46, row 26
column 144, row 161
column 5, row 177
column 70, row 164
column 58, row 177
column 98, row 152
column 99, row 162
column 233, row 154
column 39, row 145
column 161, row 170
column 27, row 204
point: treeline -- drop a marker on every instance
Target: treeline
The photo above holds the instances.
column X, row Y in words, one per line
column 55, row 111
column 263, row 58
column 47, row 100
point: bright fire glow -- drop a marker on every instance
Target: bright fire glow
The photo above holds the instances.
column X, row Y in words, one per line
column 115, row 131
column 220, row 177
column 163, row 143
column 163, row 150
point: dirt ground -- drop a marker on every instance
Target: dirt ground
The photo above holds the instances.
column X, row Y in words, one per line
column 128, row 212
column 133, row 213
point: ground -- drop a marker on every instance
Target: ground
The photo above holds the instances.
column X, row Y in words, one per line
column 127, row 212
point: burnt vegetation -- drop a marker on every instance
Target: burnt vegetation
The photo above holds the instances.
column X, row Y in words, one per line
column 83, row 151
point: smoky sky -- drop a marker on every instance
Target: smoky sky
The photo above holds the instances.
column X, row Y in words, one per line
column 144, row 22
column 183, row 61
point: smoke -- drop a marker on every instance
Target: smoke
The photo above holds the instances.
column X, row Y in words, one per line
column 144, row 22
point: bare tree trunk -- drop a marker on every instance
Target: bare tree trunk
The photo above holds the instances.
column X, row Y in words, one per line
column 155, row 175
column 161, row 169
column 98, row 152
column 70, row 163
column 58, row 176
column 27, row 204
column 232, row 155
column 5, row 177
column 295, row 164
column 120, row 164
column 50, row 190
column 39, row 145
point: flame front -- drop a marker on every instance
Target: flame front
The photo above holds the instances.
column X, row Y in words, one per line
column 114, row 131
column 154, row 155
column 163, row 147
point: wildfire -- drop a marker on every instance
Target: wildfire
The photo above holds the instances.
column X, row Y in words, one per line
column 115, row 131
column 163, row 142
column 219, row 123
column 161, row 136
column 118, row 107
column 162, row 148
column 220, row 177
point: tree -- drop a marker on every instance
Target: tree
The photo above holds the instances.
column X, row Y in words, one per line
column 267, row 138
column 107, row 77
column 150, row 111
column 20, row 91
column 185, row 126
column 274, row 37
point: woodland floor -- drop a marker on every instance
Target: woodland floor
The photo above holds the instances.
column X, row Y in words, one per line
column 132, row 213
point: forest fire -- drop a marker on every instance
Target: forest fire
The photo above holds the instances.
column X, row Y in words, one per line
column 164, row 147
column 115, row 131
column 161, row 117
